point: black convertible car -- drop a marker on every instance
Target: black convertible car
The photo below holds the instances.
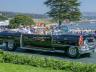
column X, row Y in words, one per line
column 71, row 44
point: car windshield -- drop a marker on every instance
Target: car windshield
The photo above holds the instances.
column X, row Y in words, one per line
column 90, row 40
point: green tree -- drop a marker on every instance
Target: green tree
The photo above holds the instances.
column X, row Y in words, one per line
column 3, row 18
column 64, row 9
column 21, row 20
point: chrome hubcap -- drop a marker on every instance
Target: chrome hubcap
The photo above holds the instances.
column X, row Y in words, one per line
column 10, row 45
column 72, row 51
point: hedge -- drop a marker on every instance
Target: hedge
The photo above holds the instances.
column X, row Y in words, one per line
column 36, row 61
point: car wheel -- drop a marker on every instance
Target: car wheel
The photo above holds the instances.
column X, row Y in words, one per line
column 10, row 46
column 73, row 52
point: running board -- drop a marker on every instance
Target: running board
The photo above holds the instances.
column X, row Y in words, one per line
column 37, row 49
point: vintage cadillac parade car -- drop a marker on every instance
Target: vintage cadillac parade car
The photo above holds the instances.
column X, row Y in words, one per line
column 72, row 45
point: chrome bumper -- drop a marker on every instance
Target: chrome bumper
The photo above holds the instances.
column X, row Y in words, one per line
column 86, row 50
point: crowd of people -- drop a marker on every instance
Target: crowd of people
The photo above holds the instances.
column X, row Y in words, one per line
column 57, row 30
column 26, row 29
column 54, row 29
column 33, row 29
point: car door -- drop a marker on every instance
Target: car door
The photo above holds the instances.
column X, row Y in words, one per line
column 40, row 41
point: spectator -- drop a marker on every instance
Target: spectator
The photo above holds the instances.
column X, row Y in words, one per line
column 32, row 29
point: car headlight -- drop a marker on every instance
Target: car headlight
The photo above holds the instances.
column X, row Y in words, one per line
column 83, row 47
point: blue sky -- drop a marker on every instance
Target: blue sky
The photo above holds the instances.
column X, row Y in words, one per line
column 37, row 6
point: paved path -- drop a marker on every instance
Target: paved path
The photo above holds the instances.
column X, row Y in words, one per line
column 83, row 58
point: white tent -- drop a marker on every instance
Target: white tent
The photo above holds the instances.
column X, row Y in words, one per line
column 4, row 23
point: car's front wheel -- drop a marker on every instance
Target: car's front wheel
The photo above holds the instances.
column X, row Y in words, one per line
column 73, row 52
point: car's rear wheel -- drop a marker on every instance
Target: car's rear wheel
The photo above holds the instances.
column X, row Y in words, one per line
column 10, row 46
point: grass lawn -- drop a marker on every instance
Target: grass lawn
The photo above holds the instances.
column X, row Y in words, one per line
column 6, row 67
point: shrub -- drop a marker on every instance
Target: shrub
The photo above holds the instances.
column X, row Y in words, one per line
column 8, row 57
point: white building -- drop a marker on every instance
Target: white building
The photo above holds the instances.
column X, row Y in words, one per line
column 4, row 23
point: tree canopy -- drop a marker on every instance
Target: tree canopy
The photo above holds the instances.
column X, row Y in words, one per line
column 21, row 20
column 61, row 10
column 3, row 18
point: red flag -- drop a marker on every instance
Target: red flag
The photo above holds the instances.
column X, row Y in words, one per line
column 81, row 40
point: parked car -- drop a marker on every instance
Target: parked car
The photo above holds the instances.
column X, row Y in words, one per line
column 66, row 43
